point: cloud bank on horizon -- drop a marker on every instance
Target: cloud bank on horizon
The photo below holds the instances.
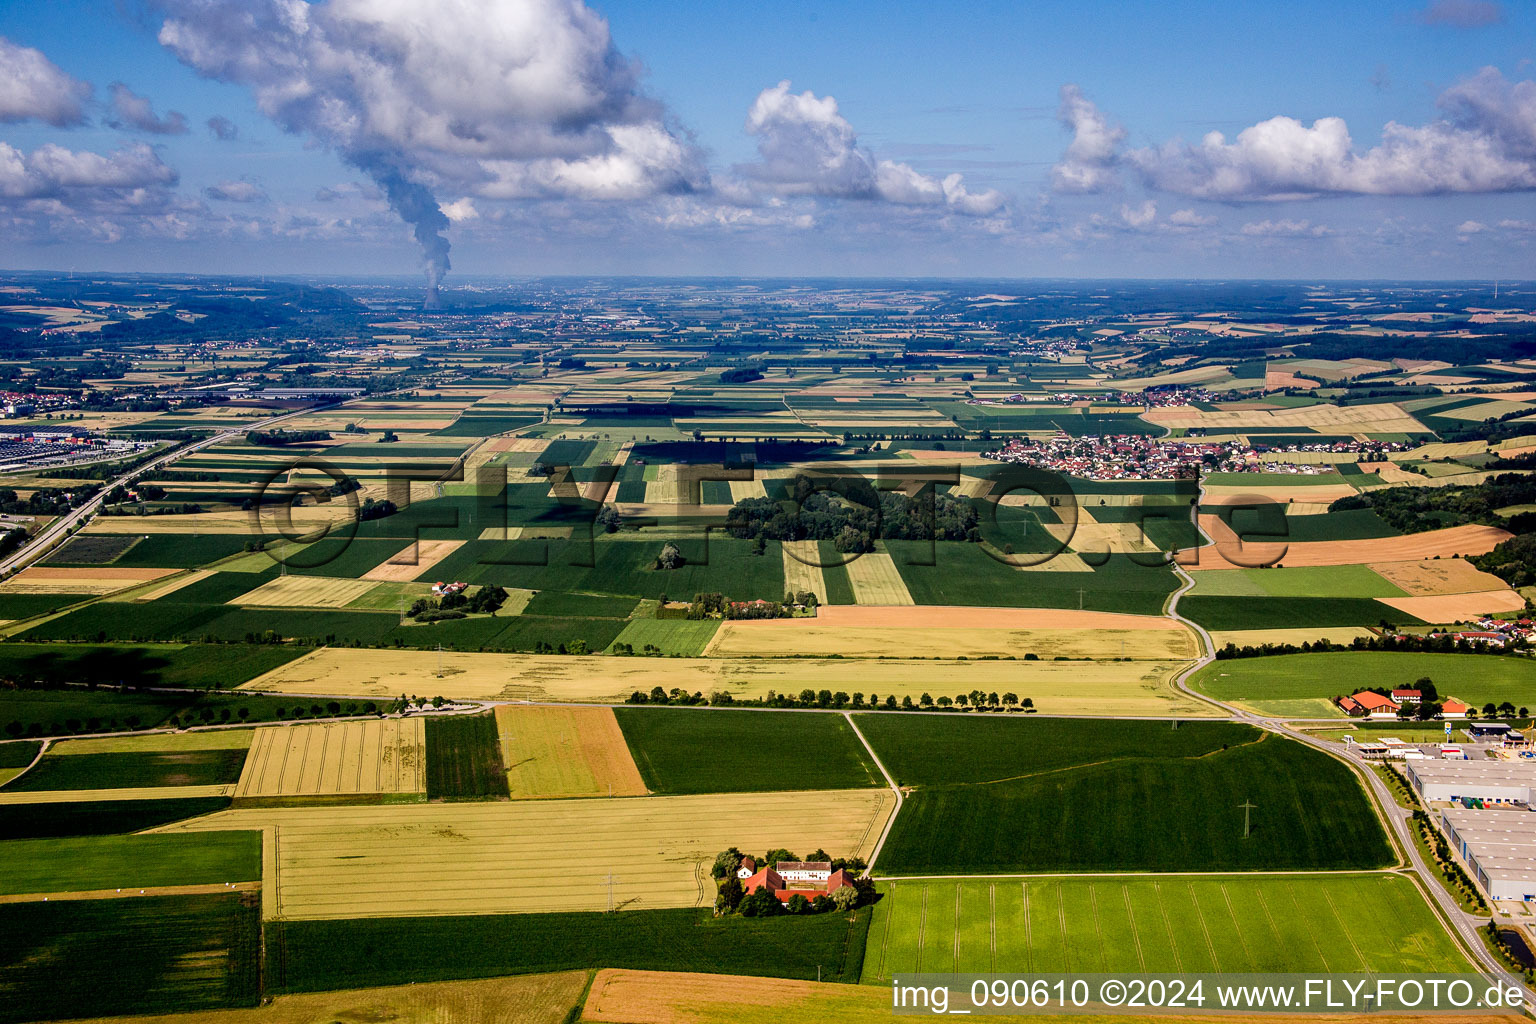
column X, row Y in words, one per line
column 527, row 119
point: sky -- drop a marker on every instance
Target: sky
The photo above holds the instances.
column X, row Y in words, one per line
column 465, row 138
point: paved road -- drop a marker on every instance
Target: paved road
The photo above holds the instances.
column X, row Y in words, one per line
column 1396, row 818
column 49, row 536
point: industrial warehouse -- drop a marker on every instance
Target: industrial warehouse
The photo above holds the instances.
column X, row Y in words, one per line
column 1487, row 782
column 1498, row 846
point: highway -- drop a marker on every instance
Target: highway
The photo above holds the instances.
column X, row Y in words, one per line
column 49, row 536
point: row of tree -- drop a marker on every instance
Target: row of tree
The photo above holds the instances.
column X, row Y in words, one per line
column 977, row 700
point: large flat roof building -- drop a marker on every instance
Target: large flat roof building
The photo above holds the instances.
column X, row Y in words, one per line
column 1499, row 846
column 1493, row 781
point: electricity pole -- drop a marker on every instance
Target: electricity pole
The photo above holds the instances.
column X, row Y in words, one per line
column 1247, row 809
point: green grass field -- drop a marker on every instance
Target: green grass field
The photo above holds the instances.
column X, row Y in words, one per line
column 991, row 796
column 683, row 637
column 18, row 755
column 1474, row 678
column 965, row 574
column 131, row 770
column 1288, row 923
column 111, row 862
column 1221, row 612
column 24, row 606
column 100, row 817
column 308, row 956
column 554, row 602
column 697, row 750
column 1302, row 581
column 116, row 957
column 464, row 758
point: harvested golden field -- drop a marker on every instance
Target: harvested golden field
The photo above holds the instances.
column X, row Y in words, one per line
column 658, row 997
column 1279, row 493
column 526, row 999
column 741, row 490
column 1383, row 418
column 801, row 568
column 96, row 579
column 976, row 616
column 1434, row 577
column 807, row 637
column 1057, row 687
column 337, row 759
column 305, row 592
column 876, row 580
column 1259, row 637
column 531, row 856
column 1228, row 552
column 1457, row 607
column 170, row 586
column 526, row 533
column 415, row 560
column 565, row 752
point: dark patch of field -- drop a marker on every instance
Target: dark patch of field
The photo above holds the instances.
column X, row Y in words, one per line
column 686, row 750
column 85, row 863
column 464, row 758
column 342, row 557
column 1215, row 612
column 151, row 954
column 515, row 633
column 200, row 666
column 18, row 755
column 997, row 796
column 132, row 771
column 471, row 425
column 310, row 956
column 182, row 551
column 834, row 574
column 1354, row 524
column 100, row 817
column 554, row 602
column 24, row 606
column 965, row 574
column 185, row 621
column 93, row 549
column 74, row 712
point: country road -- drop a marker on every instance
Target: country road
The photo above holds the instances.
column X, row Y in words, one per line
column 49, row 536
column 1394, row 817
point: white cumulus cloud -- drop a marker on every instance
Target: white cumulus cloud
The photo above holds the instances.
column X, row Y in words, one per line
column 134, row 111
column 33, row 87
column 806, row 147
column 1089, row 163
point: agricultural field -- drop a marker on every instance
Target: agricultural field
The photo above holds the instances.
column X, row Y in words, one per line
column 997, row 796
column 463, row 758
column 565, row 752
column 1344, row 923
column 305, row 956
column 854, row 631
column 86, row 864
column 305, row 592
column 336, row 760
column 534, row 856
column 1057, row 687
column 684, row 637
column 149, row 954
column 132, row 770
column 696, row 750
column 1474, row 678
column 100, row 816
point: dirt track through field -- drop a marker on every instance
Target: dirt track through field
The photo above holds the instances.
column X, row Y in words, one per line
column 531, row 856
column 209, row 889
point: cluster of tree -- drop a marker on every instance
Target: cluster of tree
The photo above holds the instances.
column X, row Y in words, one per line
column 186, row 508
column 853, row 516
column 388, row 437
column 577, row 646
column 1444, row 643
column 279, row 437
column 977, row 700
column 742, row 374
column 484, row 601
column 1513, row 560
column 12, row 539
column 371, row 509
column 1417, row 509
column 1456, row 879
column 45, row 501
column 671, row 558
column 608, row 519
column 331, row 709
column 628, row 650
column 731, row 898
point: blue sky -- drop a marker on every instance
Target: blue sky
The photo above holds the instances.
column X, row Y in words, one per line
column 982, row 139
